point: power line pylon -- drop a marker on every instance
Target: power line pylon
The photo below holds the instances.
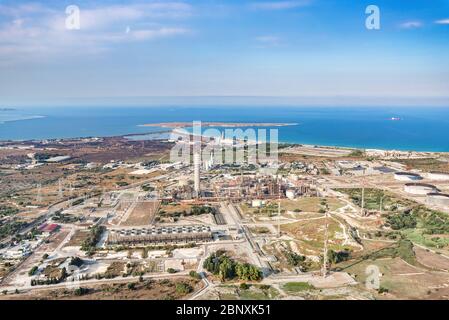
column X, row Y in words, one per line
column 39, row 193
column 279, row 210
column 325, row 251
column 60, row 191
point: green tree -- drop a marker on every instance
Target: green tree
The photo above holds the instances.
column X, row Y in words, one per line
column 183, row 288
column 226, row 269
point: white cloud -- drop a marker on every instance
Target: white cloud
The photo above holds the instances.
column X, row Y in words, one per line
column 411, row 25
column 21, row 9
column 157, row 33
column 103, row 17
column 279, row 5
column 444, row 21
column 33, row 29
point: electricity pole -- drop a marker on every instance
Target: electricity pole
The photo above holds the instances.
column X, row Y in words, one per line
column 325, row 251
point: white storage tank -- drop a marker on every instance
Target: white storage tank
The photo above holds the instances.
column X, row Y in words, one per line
column 407, row 176
column 291, row 194
column 438, row 176
column 438, row 199
column 420, row 188
column 257, row 203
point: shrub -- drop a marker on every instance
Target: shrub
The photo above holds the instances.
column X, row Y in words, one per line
column 76, row 261
column 194, row 274
column 81, row 291
column 183, row 288
column 131, row 286
column 382, row 290
column 244, row 286
column 32, row 271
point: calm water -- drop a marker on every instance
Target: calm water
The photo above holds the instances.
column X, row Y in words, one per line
column 421, row 129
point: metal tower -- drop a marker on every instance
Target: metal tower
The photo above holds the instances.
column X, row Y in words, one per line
column 279, row 209
column 196, row 173
column 60, row 191
column 325, row 251
column 39, row 193
column 363, row 200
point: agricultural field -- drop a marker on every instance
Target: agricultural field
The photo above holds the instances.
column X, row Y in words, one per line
column 142, row 214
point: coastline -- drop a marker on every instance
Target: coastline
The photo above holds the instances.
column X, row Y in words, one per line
column 341, row 128
column 180, row 125
column 287, row 145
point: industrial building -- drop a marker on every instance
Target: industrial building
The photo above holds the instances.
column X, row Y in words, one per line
column 160, row 235
column 420, row 188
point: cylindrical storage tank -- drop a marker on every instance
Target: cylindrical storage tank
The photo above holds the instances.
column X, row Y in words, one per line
column 438, row 176
column 291, row 194
column 407, row 176
column 438, row 199
column 420, row 188
column 257, row 203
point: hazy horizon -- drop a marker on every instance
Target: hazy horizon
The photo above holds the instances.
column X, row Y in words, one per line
column 233, row 101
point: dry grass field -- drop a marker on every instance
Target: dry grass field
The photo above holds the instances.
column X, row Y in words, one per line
column 142, row 214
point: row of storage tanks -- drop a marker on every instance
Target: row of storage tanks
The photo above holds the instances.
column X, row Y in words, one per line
column 434, row 196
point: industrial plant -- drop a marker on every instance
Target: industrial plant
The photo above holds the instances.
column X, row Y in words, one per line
column 307, row 218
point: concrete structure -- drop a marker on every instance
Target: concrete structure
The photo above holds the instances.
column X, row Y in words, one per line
column 196, row 172
column 257, row 203
column 420, row 188
column 438, row 176
column 407, row 176
column 438, row 199
column 169, row 234
column 291, row 194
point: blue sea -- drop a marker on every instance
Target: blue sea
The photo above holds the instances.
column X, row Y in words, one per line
column 418, row 128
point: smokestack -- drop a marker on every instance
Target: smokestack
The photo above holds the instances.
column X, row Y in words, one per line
column 196, row 172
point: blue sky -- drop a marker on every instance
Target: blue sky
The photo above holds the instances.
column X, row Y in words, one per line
column 306, row 51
